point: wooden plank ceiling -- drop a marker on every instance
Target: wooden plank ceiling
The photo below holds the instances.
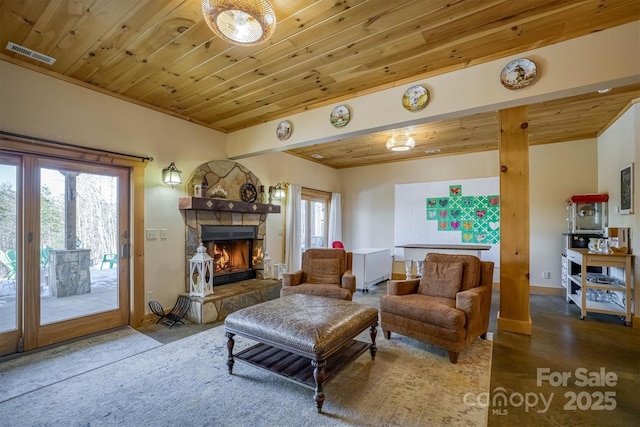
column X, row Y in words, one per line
column 161, row 54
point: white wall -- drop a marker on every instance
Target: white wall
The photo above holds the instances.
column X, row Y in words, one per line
column 557, row 171
column 618, row 146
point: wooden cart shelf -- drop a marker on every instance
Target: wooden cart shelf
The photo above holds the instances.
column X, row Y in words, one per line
column 579, row 285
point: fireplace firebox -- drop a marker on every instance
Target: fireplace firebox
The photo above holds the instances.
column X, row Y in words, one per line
column 231, row 247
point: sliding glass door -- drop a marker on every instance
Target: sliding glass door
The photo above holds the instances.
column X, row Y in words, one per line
column 10, row 310
column 70, row 275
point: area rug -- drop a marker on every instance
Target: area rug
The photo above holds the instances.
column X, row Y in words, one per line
column 40, row 369
column 186, row 383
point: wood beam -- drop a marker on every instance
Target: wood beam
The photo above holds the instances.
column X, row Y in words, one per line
column 514, row 314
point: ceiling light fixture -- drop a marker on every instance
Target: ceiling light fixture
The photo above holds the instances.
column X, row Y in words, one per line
column 604, row 90
column 241, row 22
column 401, row 143
column 432, row 151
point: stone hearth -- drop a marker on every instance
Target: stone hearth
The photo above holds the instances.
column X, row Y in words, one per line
column 232, row 297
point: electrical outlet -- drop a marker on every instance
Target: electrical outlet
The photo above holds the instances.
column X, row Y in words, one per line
column 152, row 233
column 149, row 296
column 546, row 274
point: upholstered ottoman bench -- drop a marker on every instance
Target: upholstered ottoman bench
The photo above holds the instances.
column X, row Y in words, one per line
column 304, row 338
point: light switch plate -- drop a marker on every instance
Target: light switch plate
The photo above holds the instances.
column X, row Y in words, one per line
column 152, row 233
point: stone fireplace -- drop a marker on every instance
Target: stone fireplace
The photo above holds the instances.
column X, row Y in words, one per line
column 233, row 231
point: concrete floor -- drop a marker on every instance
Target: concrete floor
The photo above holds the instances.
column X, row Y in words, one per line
column 103, row 297
column 561, row 343
column 595, row 361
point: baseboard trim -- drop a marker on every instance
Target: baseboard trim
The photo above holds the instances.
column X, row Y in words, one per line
column 635, row 322
column 545, row 290
column 517, row 326
column 538, row 290
column 148, row 319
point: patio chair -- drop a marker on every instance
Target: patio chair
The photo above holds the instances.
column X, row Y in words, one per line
column 179, row 310
column 44, row 256
column 110, row 259
column 9, row 261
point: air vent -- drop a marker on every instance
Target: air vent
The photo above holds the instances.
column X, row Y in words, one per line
column 30, row 53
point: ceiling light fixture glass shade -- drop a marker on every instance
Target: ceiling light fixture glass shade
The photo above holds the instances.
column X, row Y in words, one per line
column 401, row 143
column 241, row 22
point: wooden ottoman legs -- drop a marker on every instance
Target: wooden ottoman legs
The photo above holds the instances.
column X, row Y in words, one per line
column 318, row 376
column 373, row 332
column 230, row 343
column 319, row 372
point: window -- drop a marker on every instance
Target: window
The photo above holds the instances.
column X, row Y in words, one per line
column 314, row 208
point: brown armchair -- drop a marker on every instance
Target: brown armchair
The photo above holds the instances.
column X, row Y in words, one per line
column 325, row 272
column 448, row 306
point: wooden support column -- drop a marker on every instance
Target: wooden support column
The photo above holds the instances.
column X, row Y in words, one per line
column 514, row 314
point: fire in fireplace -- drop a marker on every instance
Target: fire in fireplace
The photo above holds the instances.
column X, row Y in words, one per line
column 230, row 255
column 231, row 247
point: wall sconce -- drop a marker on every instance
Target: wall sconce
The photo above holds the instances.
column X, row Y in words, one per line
column 279, row 191
column 171, row 175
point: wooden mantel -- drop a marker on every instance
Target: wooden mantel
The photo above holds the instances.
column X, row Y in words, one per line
column 224, row 205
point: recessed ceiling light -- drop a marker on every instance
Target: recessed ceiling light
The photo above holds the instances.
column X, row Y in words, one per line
column 432, row 151
column 604, row 90
column 317, row 156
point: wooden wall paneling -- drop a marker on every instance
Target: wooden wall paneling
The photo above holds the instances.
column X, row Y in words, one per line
column 161, row 54
column 514, row 314
column 17, row 20
column 125, row 32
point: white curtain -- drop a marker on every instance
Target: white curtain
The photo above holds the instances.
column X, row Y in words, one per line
column 293, row 228
column 335, row 219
